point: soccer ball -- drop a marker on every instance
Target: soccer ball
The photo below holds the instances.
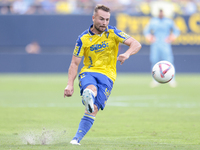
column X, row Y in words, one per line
column 163, row 71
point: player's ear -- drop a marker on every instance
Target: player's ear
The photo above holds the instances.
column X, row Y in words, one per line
column 93, row 18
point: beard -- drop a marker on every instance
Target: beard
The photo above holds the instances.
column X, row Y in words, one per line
column 99, row 30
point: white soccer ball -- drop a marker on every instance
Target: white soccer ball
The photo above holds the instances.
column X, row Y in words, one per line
column 163, row 71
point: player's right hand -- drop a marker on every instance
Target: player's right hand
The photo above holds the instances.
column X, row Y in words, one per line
column 69, row 90
column 122, row 58
column 151, row 38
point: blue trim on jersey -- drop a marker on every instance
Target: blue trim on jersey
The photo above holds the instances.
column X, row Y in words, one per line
column 90, row 30
column 116, row 31
column 85, row 32
column 111, row 27
column 79, row 43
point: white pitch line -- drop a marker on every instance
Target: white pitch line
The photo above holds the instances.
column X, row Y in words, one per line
column 117, row 101
column 142, row 97
column 159, row 105
column 109, row 103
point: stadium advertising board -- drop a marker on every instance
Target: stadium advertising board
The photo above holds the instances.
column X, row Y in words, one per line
column 189, row 27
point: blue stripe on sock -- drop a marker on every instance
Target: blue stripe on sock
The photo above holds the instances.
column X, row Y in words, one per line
column 90, row 116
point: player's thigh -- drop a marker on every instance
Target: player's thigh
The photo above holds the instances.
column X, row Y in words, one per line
column 85, row 80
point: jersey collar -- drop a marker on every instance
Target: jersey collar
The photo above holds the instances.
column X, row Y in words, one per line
column 91, row 33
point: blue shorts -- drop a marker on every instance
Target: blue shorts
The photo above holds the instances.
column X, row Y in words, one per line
column 103, row 84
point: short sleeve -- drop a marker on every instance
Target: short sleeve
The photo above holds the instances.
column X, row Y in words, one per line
column 78, row 50
column 120, row 35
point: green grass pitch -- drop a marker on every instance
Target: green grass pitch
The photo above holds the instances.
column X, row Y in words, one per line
column 35, row 116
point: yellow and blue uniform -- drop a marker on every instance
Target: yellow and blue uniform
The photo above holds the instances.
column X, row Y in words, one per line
column 100, row 50
column 100, row 57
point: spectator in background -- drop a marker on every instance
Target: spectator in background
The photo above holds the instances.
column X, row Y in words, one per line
column 20, row 7
column 85, row 6
column 190, row 7
column 114, row 5
column 160, row 32
column 64, row 7
column 126, row 6
column 35, row 7
column 4, row 7
column 33, row 48
column 48, row 6
column 145, row 7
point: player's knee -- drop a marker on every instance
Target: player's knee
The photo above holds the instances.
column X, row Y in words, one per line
column 93, row 88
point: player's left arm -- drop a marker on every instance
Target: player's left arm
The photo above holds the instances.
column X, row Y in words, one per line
column 134, row 47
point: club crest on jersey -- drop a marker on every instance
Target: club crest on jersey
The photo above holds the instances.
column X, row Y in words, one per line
column 99, row 47
column 90, row 39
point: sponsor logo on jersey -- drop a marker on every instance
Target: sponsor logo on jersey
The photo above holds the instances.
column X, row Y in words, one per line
column 99, row 47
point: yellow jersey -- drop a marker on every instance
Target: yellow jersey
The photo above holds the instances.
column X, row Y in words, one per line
column 100, row 50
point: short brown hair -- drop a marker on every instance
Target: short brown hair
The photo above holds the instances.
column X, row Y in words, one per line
column 102, row 7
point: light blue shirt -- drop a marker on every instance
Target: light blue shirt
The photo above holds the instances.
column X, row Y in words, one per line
column 161, row 29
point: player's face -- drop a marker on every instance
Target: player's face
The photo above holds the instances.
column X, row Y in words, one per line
column 101, row 20
column 161, row 15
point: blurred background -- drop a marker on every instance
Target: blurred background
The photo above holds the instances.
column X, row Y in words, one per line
column 40, row 35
